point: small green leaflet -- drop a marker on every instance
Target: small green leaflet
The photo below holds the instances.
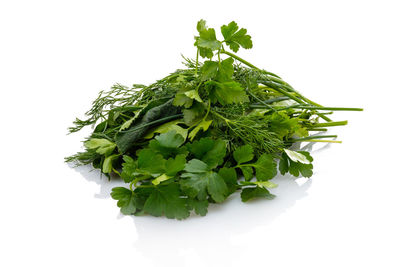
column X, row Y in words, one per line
column 175, row 165
column 222, row 72
column 207, row 38
column 203, row 125
column 209, row 70
column 154, row 164
column 224, row 89
column 235, row 38
column 193, row 94
column 207, row 41
column 297, row 157
column 194, row 114
column 181, row 99
column 248, row 172
column 226, row 92
column 128, row 169
column 168, row 144
column 126, row 200
column 201, row 181
column 161, row 178
column 265, row 167
column 169, row 126
column 170, row 140
column 166, row 199
column 102, row 146
column 225, row 70
column 107, row 164
column 230, row 177
column 243, row 154
column 211, row 151
column 199, row 206
column 196, row 166
column 255, row 192
column 150, row 162
column 295, row 168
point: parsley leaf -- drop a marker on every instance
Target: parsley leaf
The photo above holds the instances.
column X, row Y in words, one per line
column 169, row 126
column 203, row 125
column 243, row 154
column 150, row 162
column 128, row 169
column 211, row 151
column 296, row 164
column 175, row 165
column 166, row 199
column 107, row 164
column 199, row 206
column 255, row 192
column 196, row 166
column 126, row 200
column 194, row 114
column 206, row 41
column 202, row 181
column 230, row 177
column 248, row 172
column 226, row 92
column 209, row 70
column 168, row 144
column 225, row 70
column 235, row 38
column 265, row 167
column 102, row 146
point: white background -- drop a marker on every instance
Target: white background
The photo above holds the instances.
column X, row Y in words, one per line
column 55, row 56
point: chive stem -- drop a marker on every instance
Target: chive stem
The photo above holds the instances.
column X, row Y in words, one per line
column 329, row 124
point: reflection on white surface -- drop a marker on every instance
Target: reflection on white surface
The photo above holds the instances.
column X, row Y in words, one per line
column 161, row 240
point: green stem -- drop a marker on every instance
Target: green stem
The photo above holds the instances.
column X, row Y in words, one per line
column 276, row 99
column 329, row 124
column 313, row 137
column 330, row 108
column 273, row 86
column 155, row 122
column 262, row 102
column 247, row 63
column 323, row 116
column 323, row 141
column 317, row 130
column 197, row 61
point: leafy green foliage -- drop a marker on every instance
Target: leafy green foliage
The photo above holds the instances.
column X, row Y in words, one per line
column 243, row 154
column 126, row 200
column 298, row 163
column 108, row 163
column 203, row 125
column 199, row 206
column 190, row 138
column 168, row 144
column 206, row 41
column 220, row 85
column 102, row 146
column 250, row 193
column 226, row 92
column 200, row 184
column 235, row 38
column 125, row 140
column 265, row 165
column 166, row 199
